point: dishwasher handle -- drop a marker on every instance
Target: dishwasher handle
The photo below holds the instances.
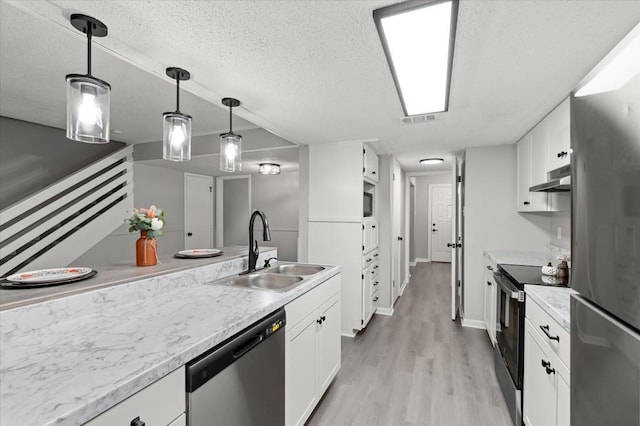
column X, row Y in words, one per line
column 206, row 366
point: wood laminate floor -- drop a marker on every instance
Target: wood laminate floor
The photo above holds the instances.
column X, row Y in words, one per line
column 417, row 367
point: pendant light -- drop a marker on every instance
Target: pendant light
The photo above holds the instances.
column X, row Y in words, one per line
column 176, row 136
column 269, row 168
column 88, row 98
column 230, row 143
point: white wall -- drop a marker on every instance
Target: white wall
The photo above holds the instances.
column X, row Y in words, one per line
column 277, row 197
column 563, row 221
column 152, row 185
column 491, row 220
column 420, row 233
column 235, row 216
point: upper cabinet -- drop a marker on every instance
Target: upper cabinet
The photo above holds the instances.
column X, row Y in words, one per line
column 370, row 165
column 559, row 140
column 542, row 149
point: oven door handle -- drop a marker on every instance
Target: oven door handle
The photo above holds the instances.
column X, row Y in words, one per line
column 506, row 286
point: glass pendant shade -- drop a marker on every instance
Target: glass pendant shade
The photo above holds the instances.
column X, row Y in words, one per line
column 176, row 136
column 88, row 109
column 230, row 152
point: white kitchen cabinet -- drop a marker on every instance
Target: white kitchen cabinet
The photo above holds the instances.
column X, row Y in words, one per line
column 546, row 391
column 528, row 201
column 539, row 137
column 559, row 136
column 490, row 295
column 337, row 231
column 312, row 352
column 371, row 164
column 144, row 404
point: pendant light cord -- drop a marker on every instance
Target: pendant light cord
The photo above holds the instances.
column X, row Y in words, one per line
column 89, row 48
column 230, row 120
column 177, row 93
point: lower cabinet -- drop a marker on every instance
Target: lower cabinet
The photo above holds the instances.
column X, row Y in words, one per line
column 546, row 392
column 490, row 295
column 145, row 405
column 313, row 351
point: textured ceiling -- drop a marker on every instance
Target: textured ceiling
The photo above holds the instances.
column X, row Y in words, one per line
column 315, row 72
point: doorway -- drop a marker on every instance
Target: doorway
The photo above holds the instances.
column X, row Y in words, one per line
column 198, row 211
column 233, row 209
column 440, row 217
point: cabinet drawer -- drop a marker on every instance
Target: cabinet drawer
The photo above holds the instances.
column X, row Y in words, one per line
column 144, row 404
column 550, row 331
column 367, row 259
column 299, row 308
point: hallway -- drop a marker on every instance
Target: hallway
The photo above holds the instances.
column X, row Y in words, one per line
column 417, row 367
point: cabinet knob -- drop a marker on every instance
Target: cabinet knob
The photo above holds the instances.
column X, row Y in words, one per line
column 373, row 172
column 562, row 154
column 547, row 366
column 319, row 320
column 376, row 283
column 450, row 245
column 488, row 282
column 137, row 422
column 323, row 318
column 526, row 203
column 399, row 238
column 490, row 268
column 189, row 234
column 375, row 299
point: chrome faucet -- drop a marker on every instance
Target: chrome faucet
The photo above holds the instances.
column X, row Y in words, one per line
column 253, row 244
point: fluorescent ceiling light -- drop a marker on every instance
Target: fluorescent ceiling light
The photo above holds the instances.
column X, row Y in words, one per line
column 621, row 66
column 429, row 161
column 418, row 38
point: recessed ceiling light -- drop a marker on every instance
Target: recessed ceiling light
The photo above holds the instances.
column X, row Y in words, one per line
column 429, row 161
column 418, row 38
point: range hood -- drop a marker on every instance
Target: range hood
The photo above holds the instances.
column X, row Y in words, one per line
column 558, row 180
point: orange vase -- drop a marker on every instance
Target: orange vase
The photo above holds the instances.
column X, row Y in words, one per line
column 146, row 250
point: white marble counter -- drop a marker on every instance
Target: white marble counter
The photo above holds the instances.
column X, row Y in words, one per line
column 554, row 301
column 66, row 360
column 527, row 258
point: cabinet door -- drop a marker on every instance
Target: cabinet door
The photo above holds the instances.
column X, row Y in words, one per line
column 328, row 343
column 539, row 391
column 370, row 164
column 367, row 303
column 528, row 201
column 539, row 137
column 300, row 371
column 490, row 296
column 374, row 235
column 564, row 402
column 559, row 139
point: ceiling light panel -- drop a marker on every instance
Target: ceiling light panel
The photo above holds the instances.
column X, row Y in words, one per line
column 418, row 39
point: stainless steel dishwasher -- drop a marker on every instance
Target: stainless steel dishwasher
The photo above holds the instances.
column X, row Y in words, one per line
column 240, row 382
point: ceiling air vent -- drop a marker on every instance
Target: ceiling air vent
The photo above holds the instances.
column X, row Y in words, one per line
column 417, row 119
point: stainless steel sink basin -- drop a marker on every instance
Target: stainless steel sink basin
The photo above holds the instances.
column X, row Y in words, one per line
column 266, row 281
column 296, row 269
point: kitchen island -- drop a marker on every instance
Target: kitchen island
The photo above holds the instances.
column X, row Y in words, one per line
column 68, row 359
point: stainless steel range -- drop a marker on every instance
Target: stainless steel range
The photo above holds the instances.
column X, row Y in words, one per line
column 509, row 350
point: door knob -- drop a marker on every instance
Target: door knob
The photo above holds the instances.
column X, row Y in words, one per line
column 450, row 245
column 189, row 234
column 434, row 230
column 399, row 238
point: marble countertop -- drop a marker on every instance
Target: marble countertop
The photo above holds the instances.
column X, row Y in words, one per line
column 554, row 301
column 527, row 258
column 66, row 360
column 115, row 274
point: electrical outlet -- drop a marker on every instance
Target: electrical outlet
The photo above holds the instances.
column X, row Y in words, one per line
column 559, row 232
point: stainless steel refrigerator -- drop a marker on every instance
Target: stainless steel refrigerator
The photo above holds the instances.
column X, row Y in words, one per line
column 605, row 317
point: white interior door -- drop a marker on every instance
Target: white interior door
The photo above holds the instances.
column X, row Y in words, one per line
column 397, row 231
column 440, row 209
column 233, row 209
column 454, row 233
column 198, row 211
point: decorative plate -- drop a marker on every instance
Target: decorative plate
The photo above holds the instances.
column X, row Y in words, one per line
column 198, row 253
column 69, row 278
column 48, row 275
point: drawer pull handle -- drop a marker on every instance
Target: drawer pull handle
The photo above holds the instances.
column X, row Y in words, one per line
column 369, row 259
column 375, row 299
column 376, row 267
column 545, row 330
column 375, row 255
column 490, row 268
column 488, row 282
column 376, row 283
column 137, row 422
column 547, row 367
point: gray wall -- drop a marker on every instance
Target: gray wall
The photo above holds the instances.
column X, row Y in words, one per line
column 412, row 221
column 562, row 220
column 236, row 212
column 491, row 221
column 277, row 197
column 420, row 233
column 33, row 157
column 152, row 185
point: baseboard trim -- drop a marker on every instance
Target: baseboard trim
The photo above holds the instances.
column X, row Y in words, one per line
column 422, row 259
column 384, row 311
column 352, row 334
column 473, row 324
column 403, row 286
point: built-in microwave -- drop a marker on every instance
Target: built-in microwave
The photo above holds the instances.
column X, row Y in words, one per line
column 367, row 204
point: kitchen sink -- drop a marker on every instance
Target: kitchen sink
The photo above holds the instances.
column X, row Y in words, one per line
column 267, row 281
column 296, row 269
